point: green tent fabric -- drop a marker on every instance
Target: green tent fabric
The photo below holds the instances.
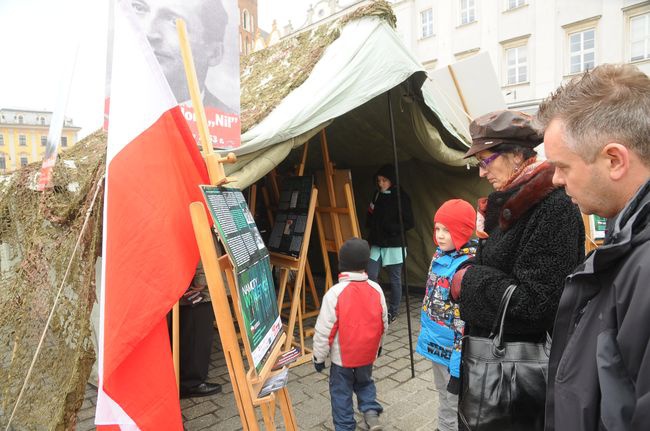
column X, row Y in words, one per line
column 356, row 62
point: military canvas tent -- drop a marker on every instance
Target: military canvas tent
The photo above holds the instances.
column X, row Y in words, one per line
column 338, row 76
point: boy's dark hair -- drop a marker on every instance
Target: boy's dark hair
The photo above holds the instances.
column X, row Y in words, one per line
column 354, row 255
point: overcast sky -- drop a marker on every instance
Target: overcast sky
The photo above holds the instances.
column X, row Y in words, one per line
column 39, row 40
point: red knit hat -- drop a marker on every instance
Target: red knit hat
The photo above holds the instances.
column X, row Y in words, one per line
column 459, row 217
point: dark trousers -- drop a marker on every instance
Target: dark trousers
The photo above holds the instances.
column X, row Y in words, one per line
column 196, row 332
column 343, row 383
column 395, row 276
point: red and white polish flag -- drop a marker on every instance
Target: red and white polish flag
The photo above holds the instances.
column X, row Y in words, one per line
column 153, row 167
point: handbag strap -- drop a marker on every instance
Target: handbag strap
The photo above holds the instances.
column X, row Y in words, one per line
column 501, row 316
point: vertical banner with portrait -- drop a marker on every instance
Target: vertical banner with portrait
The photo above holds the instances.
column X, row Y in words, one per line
column 243, row 242
column 213, row 33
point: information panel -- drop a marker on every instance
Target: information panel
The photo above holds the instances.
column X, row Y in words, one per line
column 291, row 218
column 243, row 242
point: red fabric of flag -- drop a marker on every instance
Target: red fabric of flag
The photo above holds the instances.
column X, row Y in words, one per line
column 150, row 252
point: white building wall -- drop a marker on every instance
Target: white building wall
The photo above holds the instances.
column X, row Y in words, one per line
column 542, row 25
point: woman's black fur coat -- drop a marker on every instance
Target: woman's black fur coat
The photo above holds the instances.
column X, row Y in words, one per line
column 536, row 238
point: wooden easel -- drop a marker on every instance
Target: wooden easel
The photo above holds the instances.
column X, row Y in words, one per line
column 333, row 211
column 246, row 385
column 287, row 264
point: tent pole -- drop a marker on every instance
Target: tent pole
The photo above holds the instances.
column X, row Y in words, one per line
column 401, row 223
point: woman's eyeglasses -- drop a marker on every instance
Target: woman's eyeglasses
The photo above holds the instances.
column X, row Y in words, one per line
column 483, row 164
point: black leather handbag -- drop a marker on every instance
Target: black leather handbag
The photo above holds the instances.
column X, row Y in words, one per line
column 503, row 384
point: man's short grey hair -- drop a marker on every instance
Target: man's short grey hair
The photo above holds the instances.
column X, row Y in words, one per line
column 610, row 103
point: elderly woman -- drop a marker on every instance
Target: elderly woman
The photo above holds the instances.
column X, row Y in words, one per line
column 531, row 235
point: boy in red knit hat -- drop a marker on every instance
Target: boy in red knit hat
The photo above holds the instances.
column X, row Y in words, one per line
column 441, row 328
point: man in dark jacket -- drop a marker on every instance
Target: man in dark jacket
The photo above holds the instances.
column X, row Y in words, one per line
column 597, row 134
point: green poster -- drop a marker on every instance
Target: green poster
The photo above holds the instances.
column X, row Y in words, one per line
column 257, row 300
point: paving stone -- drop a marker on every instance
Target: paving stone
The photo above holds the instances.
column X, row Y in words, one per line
column 402, row 376
column 208, row 421
column 412, row 422
column 86, row 413
column 200, row 409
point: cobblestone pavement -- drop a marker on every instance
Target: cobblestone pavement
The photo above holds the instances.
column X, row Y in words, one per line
column 410, row 404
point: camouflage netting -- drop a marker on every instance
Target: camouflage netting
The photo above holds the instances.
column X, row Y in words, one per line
column 269, row 75
column 38, row 233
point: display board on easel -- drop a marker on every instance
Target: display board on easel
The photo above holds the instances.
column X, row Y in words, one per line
column 336, row 216
column 290, row 222
column 288, row 263
column 257, row 301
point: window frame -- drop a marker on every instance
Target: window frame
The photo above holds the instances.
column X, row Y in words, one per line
column 23, row 160
column 64, row 141
column 646, row 51
column 573, row 28
column 429, row 23
column 582, row 52
column 517, row 66
column 467, row 12
column 518, row 4
column 22, row 140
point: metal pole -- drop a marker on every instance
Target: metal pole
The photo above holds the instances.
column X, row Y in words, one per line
column 401, row 223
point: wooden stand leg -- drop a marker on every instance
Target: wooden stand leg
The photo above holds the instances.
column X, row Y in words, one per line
column 312, row 287
column 268, row 414
column 284, row 278
column 287, row 410
column 293, row 314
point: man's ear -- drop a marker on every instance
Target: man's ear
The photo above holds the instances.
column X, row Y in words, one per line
column 215, row 54
column 617, row 157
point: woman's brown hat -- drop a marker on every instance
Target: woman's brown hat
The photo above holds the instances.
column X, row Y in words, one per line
column 502, row 127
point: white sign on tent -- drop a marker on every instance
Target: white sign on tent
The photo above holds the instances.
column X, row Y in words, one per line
column 465, row 90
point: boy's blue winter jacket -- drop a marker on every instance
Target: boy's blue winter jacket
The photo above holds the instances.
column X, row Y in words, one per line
column 441, row 327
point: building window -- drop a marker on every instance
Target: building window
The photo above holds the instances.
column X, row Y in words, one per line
column 3, row 162
column 513, row 4
column 64, row 141
column 43, row 141
column 22, row 140
column 23, row 161
column 516, row 65
column 582, row 51
column 42, row 120
column 246, row 20
column 640, row 37
column 20, row 119
column 2, row 139
column 426, row 17
column 467, row 11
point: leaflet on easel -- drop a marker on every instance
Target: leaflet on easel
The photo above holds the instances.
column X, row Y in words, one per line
column 274, row 383
column 257, row 300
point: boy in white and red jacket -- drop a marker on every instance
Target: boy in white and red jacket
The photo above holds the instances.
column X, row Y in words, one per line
column 349, row 329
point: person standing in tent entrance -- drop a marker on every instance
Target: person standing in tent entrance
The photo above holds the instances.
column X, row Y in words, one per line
column 385, row 234
column 441, row 327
